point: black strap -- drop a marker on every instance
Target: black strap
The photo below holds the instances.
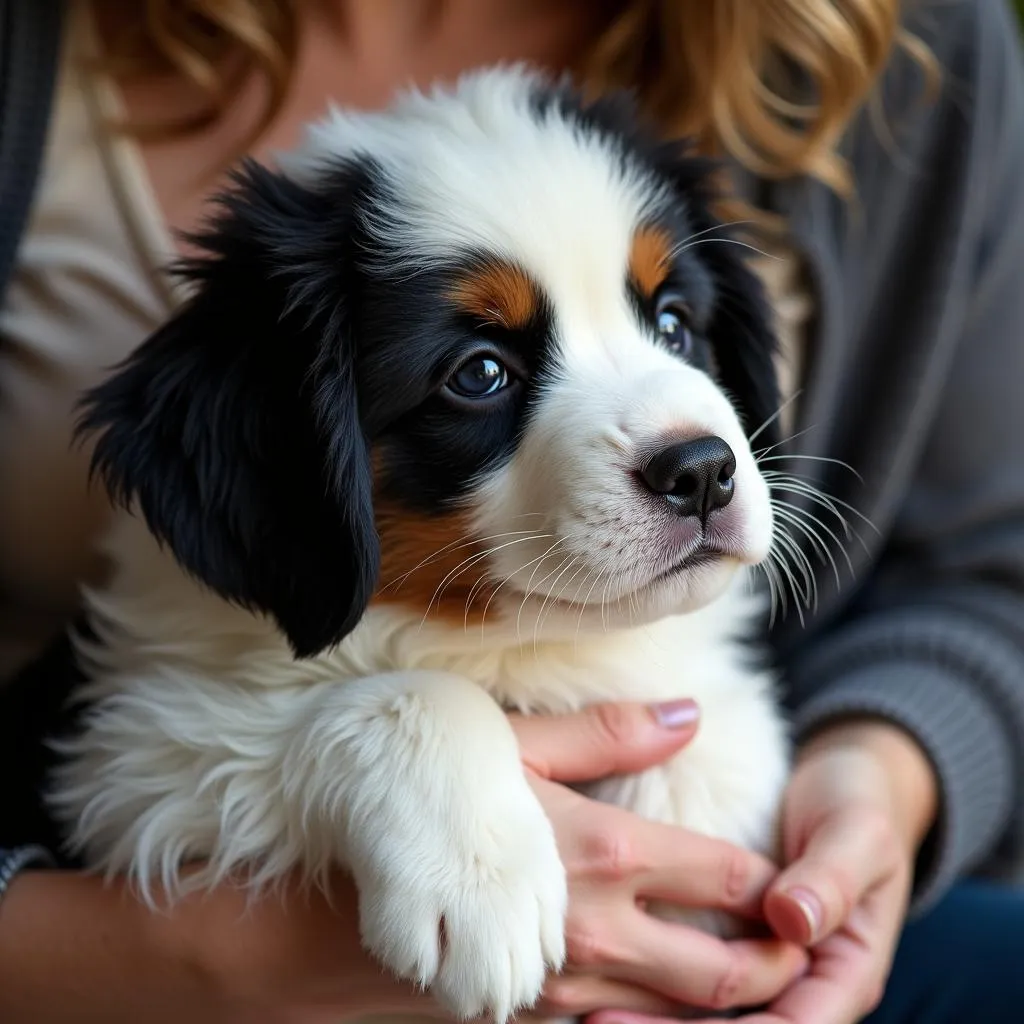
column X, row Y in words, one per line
column 31, row 708
column 35, row 709
column 29, row 49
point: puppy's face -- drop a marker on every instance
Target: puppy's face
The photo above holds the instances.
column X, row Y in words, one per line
column 484, row 352
column 553, row 423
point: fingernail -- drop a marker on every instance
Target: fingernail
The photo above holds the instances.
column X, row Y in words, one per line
column 676, row 714
column 810, row 907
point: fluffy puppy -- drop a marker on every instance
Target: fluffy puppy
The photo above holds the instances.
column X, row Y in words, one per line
column 456, row 420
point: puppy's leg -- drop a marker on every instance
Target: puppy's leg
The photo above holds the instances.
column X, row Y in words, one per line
column 459, row 877
column 411, row 779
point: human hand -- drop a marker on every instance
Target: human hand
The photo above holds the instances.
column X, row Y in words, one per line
column 619, row 957
column 861, row 800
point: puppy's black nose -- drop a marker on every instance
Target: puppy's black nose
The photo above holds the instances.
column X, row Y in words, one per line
column 695, row 476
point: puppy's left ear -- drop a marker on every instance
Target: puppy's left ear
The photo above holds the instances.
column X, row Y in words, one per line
column 235, row 428
column 742, row 329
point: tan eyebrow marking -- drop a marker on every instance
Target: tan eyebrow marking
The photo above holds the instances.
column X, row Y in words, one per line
column 650, row 254
column 498, row 292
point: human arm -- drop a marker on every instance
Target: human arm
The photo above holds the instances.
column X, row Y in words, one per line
column 74, row 949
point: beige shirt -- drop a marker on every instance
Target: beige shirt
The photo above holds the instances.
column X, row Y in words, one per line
column 89, row 286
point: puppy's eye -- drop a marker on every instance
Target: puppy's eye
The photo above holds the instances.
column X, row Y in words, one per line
column 480, row 377
column 672, row 317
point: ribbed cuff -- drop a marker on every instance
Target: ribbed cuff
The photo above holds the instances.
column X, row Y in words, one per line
column 13, row 862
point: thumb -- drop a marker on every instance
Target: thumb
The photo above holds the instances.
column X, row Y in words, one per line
column 604, row 739
column 816, row 893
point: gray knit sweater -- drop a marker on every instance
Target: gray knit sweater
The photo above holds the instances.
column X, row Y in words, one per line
column 915, row 380
column 916, row 366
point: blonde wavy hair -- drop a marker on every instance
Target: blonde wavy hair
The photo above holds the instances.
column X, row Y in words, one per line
column 714, row 70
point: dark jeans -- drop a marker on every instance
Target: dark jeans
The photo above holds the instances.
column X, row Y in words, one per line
column 963, row 963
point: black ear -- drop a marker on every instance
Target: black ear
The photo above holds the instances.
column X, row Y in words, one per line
column 742, row 328
column 235, row 427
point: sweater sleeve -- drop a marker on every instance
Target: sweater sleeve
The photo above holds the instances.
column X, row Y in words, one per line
column 935, row 642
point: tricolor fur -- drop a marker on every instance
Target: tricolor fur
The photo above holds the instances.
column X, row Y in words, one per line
column 430, row 440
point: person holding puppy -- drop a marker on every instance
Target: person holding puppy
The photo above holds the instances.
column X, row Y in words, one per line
column 897, row 240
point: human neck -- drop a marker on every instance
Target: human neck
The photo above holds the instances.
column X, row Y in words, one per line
column 399, row 32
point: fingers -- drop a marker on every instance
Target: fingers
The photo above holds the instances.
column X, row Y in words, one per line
column 692, row 870
column 809, row 1001
column 629, row 1017
column 609, row 848
column 633, row 1017
column 703, row 971
column 848, row 969
column 754, row 1018
column 847, row 855
column 573, row 995
column 604, row 739
column 618, row 1017
column 689, row 966
column 821, row 1001
column 842, row 990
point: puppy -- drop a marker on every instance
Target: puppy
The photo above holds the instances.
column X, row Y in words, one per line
column 455, row 421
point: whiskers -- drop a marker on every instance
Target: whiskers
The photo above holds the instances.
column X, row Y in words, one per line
column 552, row 564
column 549, row 578
column 818, row 531
column 701, row 238
column 535, row 577
column 481, row 550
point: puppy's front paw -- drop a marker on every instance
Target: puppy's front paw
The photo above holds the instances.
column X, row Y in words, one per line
column 476, row 915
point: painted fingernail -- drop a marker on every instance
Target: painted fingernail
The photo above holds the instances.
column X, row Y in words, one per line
column 676, row 714
column 810, row 907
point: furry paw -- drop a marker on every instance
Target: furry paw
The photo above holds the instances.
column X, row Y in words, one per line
column 479, row 918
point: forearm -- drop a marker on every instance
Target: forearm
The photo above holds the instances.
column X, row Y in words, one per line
column 74, row 949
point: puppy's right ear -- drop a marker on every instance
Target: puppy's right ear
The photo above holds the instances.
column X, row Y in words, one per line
column 235, row 427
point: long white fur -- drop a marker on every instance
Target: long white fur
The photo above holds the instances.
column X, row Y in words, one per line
column 391, row 754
